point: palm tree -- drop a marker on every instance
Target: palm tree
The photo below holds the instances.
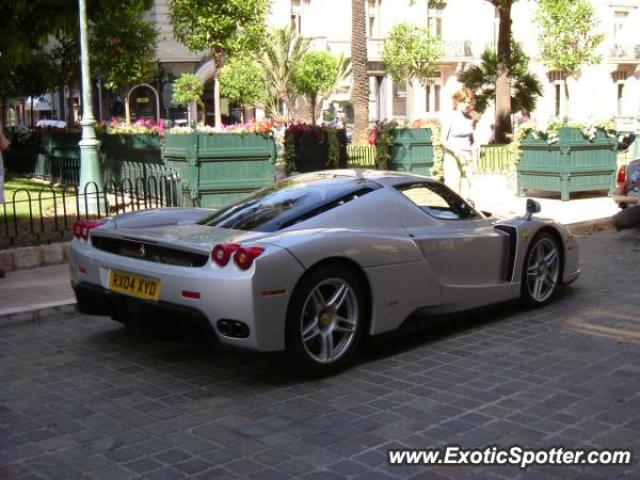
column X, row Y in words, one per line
column 525, row 88
column 503, row 81
column 284, row 48
column 360, row 91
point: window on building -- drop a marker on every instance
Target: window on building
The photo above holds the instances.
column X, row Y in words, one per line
column 558, row 98
column 433, row 97
column 619, row 23
column 296, row 16
column 400, row 99
column 373, row 18
column 434, row 19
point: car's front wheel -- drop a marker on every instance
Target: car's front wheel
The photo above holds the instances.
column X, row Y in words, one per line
column 326, row 319
column 541, row 273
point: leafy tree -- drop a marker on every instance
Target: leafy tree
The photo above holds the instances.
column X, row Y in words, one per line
column 187, row 89
column 35, row 78
column 360, row 89
column 567, row 39
column 314, row 76
column 27, row 25
column 124, row 48
column 283, row 49
column 65, row 63
column 223, row 28
column 525, row 87
column 241, row 82
column 411, row 52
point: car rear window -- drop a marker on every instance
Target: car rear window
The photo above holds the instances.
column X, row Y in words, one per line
column 289, row 202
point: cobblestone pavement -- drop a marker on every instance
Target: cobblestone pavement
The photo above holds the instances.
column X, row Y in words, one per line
column 81, row 397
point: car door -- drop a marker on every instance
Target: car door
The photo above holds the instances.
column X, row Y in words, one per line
column 460, row 245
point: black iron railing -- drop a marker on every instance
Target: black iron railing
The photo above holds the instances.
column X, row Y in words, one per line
column 48, row 215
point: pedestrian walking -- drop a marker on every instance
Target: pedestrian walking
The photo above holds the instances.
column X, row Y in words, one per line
column 458, row 139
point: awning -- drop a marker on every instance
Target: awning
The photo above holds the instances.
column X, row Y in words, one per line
column 40, row 104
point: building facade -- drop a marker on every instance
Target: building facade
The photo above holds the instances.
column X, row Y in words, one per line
column 608, row 89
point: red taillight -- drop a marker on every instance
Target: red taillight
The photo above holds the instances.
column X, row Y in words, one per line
column 244, row 257
column 222, row 252
column 622, row 175
column 82, row 227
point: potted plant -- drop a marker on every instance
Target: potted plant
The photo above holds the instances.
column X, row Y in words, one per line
column 309, row 148
column 566, row 157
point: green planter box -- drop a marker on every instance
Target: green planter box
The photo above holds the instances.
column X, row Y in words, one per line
column 22, row 159
column 61, row 158
column 312, row 156
column 124, row 158
column 127, row 158
column 412, row 151
column 572, row 164
column 219, row 169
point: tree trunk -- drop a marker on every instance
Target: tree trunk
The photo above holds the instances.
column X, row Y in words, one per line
column 216, row 100
column 312, row 101
column 127, row 110
column 567, row 110
column 503, row 83
column 70, row 107
column 62, row 114
column 360, row 89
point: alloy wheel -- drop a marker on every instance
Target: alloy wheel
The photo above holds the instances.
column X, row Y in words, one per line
column 329, row 320
column 543, row 270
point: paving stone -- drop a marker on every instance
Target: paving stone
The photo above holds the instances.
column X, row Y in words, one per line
column 82, row 397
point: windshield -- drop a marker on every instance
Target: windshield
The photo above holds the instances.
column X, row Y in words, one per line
column 290, row 201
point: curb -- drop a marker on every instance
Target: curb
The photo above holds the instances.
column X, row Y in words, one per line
column 24, row 258
column 590, row 226
column 37, row 312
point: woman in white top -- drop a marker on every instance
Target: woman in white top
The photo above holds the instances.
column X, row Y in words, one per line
column 458, row 139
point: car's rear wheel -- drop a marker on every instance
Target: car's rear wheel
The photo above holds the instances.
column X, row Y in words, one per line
column 326, row 320
column 541, row 273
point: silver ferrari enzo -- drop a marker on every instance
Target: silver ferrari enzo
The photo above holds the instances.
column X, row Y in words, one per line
column 317, row 262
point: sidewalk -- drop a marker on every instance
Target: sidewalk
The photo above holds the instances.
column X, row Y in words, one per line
column 32, row 294
column 26, row 294
column 492, row 193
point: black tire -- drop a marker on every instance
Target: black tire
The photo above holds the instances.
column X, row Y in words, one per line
column 528, row 292
column 301, row 353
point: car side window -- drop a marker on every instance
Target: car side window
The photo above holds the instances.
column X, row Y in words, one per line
column 438, row 201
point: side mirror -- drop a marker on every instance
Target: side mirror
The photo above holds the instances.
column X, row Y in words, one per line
column 532, row 207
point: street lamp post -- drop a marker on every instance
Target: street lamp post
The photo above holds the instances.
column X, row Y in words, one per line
column 89, row 164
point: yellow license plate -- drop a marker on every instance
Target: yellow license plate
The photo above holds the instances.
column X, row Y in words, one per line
column 135, row 285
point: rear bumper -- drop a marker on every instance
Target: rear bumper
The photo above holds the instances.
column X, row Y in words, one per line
column 225, row 294
column 94, row 300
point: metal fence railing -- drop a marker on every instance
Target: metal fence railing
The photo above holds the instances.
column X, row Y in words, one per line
column 66, row 170
column 31, row 217
column 361, row 156
column 495, row 159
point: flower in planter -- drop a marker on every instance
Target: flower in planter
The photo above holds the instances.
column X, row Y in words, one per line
column 263, row 127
